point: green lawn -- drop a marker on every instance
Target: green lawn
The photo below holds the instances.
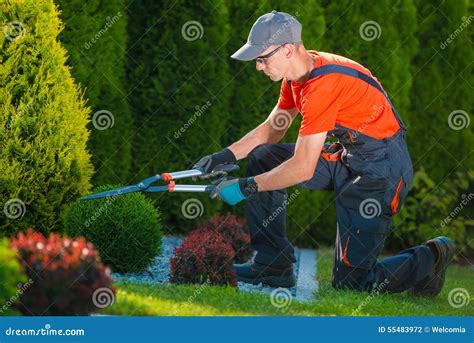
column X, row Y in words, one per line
column 168, row 300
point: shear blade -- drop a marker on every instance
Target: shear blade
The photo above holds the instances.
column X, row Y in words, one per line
column 112, row 192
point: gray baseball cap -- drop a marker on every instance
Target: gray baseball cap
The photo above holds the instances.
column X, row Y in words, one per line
column 274, row 28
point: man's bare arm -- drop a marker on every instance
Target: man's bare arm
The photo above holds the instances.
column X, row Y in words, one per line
column 271, row 131
column 298, row 168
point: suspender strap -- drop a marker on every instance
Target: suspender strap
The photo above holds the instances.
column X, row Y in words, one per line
column 340, row 69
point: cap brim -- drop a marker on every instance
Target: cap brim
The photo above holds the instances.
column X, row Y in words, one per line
column 248, row 52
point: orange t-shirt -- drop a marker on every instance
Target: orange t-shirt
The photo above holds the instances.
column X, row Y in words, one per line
column 336, row 98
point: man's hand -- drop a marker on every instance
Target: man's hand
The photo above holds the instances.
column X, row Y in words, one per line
column 209, row 162
column 234, row 190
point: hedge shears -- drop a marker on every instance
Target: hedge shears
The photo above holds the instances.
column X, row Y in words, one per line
column 145, row 185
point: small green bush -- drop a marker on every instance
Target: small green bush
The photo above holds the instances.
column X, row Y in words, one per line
column 125, row 229
column 10, row 277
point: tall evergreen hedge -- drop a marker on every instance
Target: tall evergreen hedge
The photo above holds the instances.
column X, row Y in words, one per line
column 178, row 76
column 43, row 117
column 443, row 84
column 95, row 37
column 379, row 35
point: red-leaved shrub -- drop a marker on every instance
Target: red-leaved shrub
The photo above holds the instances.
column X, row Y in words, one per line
column 64, row 275
column 233, row 231
column 203, row 257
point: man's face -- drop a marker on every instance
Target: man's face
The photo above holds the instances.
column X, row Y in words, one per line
column 276, row 65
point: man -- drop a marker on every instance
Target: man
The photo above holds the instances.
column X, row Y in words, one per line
column 369, row 167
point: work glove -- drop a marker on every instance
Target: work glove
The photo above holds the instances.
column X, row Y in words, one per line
column 209, row 162
column 232, row 191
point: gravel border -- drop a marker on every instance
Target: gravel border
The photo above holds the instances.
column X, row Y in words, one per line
column 159, row 270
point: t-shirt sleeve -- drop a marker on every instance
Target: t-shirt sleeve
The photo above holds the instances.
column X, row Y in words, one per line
column 286, row 100
column 320, row 103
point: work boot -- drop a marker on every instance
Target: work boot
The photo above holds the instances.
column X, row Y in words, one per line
column 430, row 286
column 256, row 273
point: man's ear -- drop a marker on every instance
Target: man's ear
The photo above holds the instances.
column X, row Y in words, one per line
column 289, row 50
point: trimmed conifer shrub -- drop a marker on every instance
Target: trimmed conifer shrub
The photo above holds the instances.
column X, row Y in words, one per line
column 43, row 158
column 126, row 229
